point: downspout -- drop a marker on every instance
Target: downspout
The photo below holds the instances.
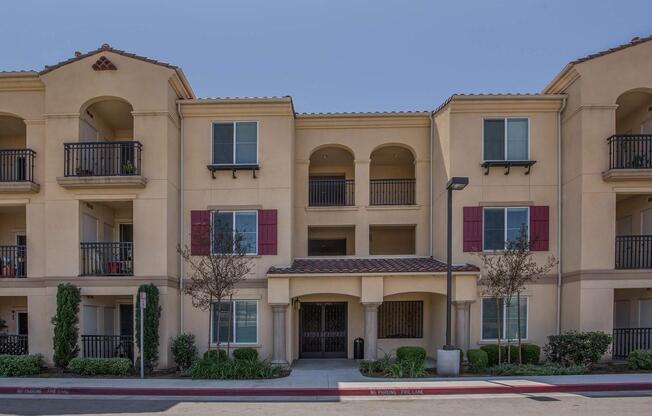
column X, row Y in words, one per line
column 430, row 177
column 559, row 215
column 181, row 210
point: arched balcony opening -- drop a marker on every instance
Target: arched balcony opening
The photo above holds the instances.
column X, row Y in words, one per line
column 631, row 146
column 16, row 160
column 106, row 145
column 331, row 178
column 391, row 176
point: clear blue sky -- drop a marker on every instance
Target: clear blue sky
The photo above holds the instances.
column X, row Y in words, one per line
column 331, row 55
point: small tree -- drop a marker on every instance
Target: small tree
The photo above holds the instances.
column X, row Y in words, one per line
column 214, row 277
column 150, row 326
column 507, row 274
column 66, row 321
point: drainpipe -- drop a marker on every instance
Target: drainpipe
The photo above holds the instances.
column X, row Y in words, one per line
column 430, row 177
column 559, row 215
column 181, row 209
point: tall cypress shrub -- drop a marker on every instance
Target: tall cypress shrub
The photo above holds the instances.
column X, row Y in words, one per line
column 150, row 332
column 66, row 321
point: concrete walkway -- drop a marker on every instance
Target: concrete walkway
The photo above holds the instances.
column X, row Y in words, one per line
column 324, row 378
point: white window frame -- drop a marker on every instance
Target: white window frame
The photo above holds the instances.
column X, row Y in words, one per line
column 503, row 329
column 505, row 209
column 233, row 230
column 505, row 138
column 234, row 122
column 233, row 324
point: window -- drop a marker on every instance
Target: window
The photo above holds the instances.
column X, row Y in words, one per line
column 240, row 327
column 507, row 318
column 506, row 139
column 235, row 143
column 400, row 319
column 226, row 224
column 503, row 226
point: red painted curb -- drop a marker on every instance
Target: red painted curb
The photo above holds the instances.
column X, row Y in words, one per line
column 330, row 392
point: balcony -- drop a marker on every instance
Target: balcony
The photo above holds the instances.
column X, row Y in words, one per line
column 107, row 259
column 391, row 192
column 13, row 261
column 16, row 160
column 108, row 346
column 630, row 157
column 634, row 252
column 103, row 164
column 626, row 340
column 13, row 344
column 331, row 192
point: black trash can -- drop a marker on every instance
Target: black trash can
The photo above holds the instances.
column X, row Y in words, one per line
column 358, row 348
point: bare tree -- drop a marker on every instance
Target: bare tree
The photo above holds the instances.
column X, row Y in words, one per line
column 214, row 277
column 507, row 274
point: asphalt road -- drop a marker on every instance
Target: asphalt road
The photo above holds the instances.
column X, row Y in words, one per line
column 558, row 405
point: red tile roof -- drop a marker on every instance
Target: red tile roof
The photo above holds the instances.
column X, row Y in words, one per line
column 635, row 41
column 344, row 265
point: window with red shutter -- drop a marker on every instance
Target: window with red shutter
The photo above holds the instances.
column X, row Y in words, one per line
column 267, row 232
column 539, row 228
column 472, row 229
column 200, row 233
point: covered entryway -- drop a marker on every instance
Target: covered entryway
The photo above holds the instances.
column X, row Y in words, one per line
column 323, row 330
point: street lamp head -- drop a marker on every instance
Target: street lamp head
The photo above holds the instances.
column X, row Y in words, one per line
column 457, row 183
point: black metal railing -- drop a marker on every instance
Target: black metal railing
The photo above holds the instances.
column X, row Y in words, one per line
column 102, row 158
column 627, row 340
column 17, row 165
column 108, row 346
column 13, row 344
column 331, row 192
column 630, row 151
column 107, row 259
column 634, row 252
column 391, row 192
column 13, row 261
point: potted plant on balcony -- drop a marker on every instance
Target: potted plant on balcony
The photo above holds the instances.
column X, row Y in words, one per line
column 128, row 168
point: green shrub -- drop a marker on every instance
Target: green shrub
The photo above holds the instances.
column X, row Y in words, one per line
column 411, row 353
column 225, row 369
column 412, row 365
column 20, row 365
column 245, row 354
column 184, row 350
column 574, row 348
column 492, row 353
column 548, row 369
column 478, row 360
column 100, row 366
column 216, row 355
column 150, row 332
column 640, row 360
column 65, row 323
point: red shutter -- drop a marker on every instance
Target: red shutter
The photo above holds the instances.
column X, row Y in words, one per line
column 267, row 232
column 539, row 228
column 200, row 233
column 472, row 230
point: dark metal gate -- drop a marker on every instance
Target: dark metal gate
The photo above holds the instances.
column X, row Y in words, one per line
column 322, row 330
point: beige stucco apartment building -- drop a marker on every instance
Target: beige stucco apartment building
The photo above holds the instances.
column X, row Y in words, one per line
column 108, row 161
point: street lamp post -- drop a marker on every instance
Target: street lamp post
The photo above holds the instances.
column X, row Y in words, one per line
column 456, row 183
column 448, row 359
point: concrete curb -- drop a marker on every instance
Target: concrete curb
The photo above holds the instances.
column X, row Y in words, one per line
column 414, row 390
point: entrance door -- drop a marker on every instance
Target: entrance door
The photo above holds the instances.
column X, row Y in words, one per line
column 322, row 330
column 22, row 328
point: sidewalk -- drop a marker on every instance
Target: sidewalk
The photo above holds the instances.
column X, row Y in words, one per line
column 310, row 379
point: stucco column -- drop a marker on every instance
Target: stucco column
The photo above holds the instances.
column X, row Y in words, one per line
column 370, row 330
column 462, row 324
column 278, row 328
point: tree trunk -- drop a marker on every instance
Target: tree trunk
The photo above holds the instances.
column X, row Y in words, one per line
column 228, row 336
column 518, row 322
column 210, row 318
column 498, row 326
column 508, row 306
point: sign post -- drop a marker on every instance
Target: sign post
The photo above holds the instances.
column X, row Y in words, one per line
column 143, row 304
